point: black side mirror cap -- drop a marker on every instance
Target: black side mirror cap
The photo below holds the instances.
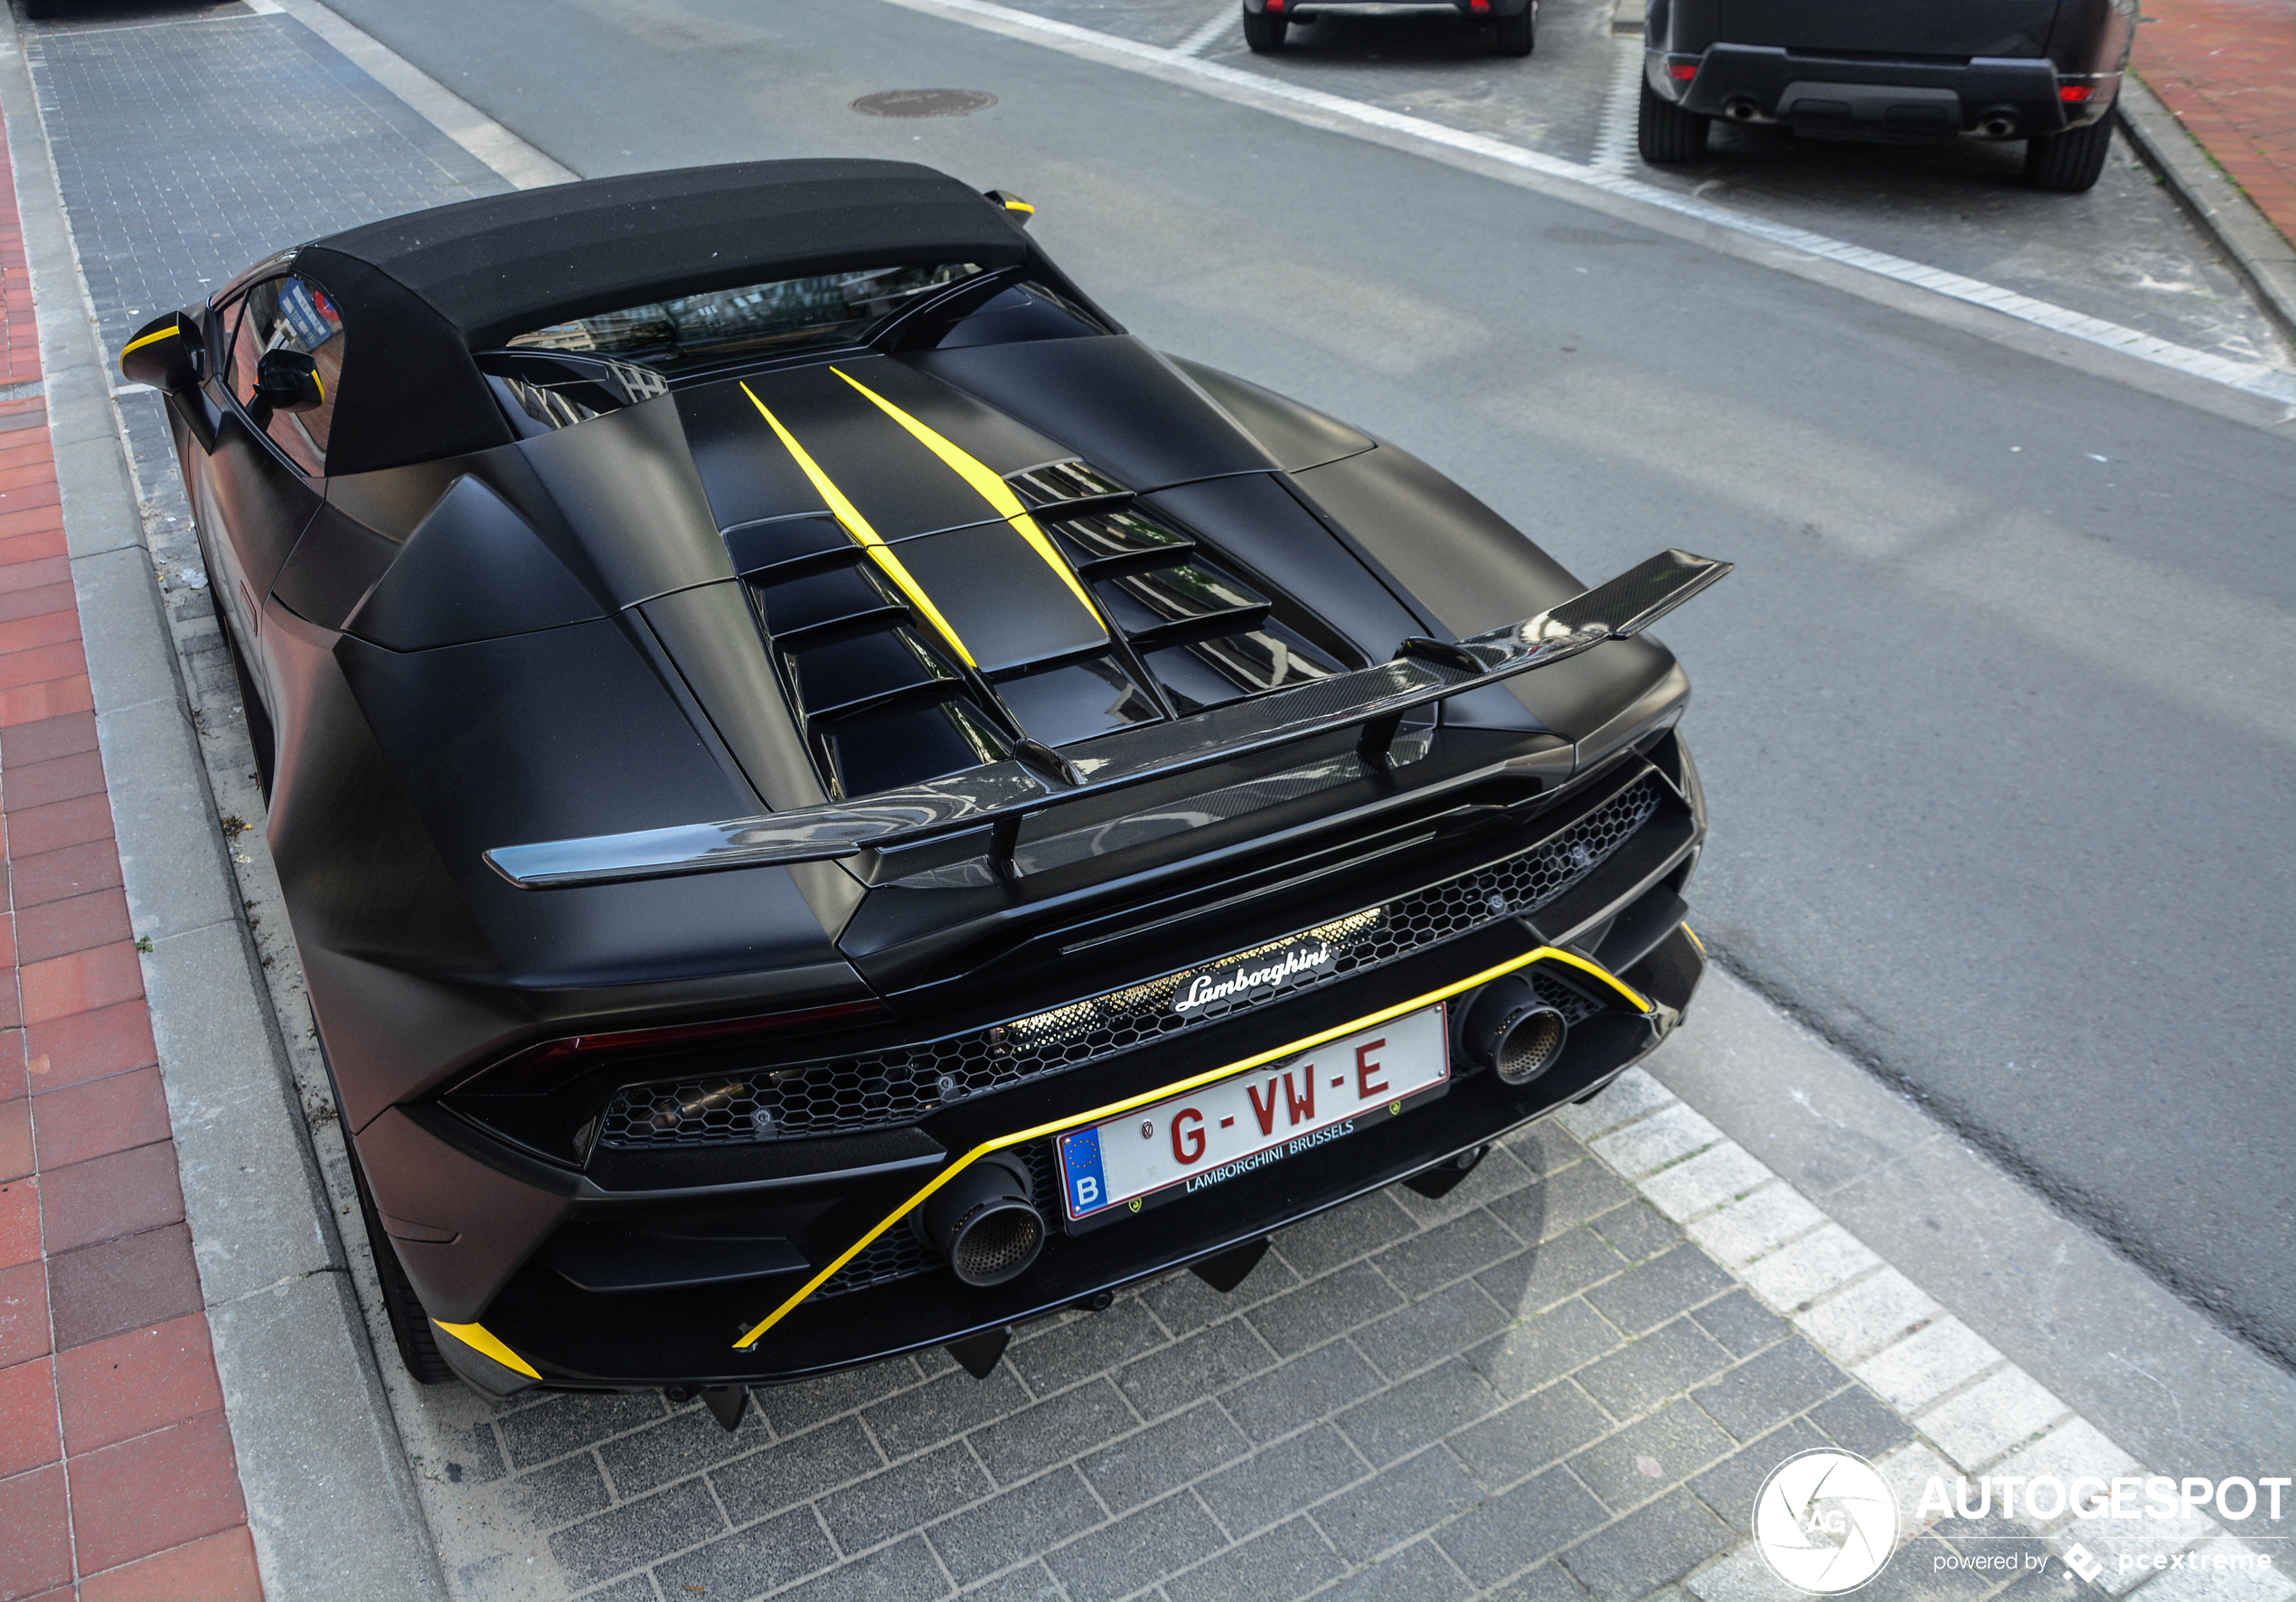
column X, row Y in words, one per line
column 165, row 354
column 1018, row 210
column 289, row 381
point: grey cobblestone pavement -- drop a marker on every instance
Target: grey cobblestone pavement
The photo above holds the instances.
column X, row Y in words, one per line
column 1566, row 1379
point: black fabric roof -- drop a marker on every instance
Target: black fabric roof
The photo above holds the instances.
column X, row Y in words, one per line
column 420, row 293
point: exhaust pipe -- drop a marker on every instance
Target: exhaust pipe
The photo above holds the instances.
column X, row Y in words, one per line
column 983, row 1223
column 1508, row 1028
column 1742, row 110
column 1999, row 123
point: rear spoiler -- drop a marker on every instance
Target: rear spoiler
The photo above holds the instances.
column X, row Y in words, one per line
column 1422, row 671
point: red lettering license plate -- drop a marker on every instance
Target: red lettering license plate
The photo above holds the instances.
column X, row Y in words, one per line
column 1244, row 1122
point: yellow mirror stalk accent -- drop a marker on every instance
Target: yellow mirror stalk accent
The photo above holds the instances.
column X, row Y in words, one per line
column 170, row 332
column 478, row 1339
column 1279, row 1053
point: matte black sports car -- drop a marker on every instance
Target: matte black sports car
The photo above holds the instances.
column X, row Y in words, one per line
column 2046, row 72
column 832, row 801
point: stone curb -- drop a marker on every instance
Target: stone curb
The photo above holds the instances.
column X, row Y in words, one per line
column 330, row 1501
column 1974, row 1412
column 2264, row 257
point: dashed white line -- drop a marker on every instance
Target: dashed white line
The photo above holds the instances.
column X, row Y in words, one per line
column 1215, row 27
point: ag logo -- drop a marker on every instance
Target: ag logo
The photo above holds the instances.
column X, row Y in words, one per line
column 1825, row 1521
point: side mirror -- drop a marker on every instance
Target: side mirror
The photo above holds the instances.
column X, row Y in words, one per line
column 289, row 381
column 165, row 354
column 1015, row 208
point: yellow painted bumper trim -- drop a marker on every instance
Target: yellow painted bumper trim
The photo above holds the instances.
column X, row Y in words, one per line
column 990, row 487
column 479, row 1339
column 1293, row 1048
column 859, row 528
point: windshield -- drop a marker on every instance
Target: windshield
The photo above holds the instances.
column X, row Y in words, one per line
column 790, row 314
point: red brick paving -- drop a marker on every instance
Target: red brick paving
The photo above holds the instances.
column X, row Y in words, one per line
column 117, row 1482
column 2227, row 70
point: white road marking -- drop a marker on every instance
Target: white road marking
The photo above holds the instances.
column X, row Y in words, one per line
column 1319, row 107
column 1227, row 20
column 1614, row 146
column 511, row 157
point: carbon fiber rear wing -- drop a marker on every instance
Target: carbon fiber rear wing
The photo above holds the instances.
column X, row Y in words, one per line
column 1423, row 671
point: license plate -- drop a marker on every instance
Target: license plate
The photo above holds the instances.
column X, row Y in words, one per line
column 1243, row 1124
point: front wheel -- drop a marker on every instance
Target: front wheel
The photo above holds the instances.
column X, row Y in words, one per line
column 1518, row 35
column 1263, row 30
column 2069, row 163
column 1667, row 135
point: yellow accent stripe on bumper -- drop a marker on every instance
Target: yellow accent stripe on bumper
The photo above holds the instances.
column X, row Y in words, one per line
column 1323, row 1037
column 478, row 1339
column 136, row 344
column 856, row 525
column 990, row 487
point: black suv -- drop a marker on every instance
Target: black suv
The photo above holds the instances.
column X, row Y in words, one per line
column 2046, row 72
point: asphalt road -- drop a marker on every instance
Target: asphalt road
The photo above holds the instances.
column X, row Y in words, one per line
column 1995, row 716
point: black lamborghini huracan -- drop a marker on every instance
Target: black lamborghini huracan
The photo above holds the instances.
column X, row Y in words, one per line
column 833, row 802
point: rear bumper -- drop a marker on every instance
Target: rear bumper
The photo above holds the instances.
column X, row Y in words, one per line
column 572, row 1340
column 1880, row 98
column 1307, row 11
column 527, row 1257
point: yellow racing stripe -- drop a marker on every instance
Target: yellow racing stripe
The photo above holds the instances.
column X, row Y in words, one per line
column 992, row 489
column 479, row 1338
column 857, row 526
column 1279, row 1053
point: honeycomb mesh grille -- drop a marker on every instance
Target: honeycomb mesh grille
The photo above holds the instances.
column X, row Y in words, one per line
column 885, row 1088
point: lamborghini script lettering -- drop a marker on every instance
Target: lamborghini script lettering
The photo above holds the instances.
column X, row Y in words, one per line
column 1222, row 983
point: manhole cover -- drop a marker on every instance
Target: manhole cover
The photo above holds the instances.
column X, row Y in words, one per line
column 924, row 103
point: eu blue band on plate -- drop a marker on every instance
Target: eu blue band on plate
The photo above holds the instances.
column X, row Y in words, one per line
column 1080, row 1168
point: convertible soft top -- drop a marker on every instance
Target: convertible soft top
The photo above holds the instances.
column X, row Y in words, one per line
column 420, row 293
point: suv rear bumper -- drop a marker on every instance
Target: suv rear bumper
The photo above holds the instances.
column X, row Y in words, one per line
column 1758, row 84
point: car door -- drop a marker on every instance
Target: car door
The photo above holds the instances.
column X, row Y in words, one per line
column 265, row 479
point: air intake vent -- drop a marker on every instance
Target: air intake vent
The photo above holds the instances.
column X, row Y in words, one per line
column 911, row 660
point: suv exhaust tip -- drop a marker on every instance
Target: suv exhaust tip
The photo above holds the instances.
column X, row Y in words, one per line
column 1999, row 123
column 1742, row 110
column 983, row 1224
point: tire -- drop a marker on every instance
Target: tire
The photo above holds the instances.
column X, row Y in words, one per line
column 1263, row 30
column 410, row 1324
column 2071, row 162
column 1667, row 135
column 1518, row 35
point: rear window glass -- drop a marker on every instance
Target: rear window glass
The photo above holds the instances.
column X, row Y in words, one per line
column 790, row 314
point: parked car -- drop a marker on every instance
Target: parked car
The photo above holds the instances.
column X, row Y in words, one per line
column 831, row 801
column 1514, row 23
column 2046, row 72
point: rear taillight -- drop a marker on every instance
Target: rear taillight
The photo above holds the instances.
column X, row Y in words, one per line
column 1681, row 72
column 548, row 1096
column 2073, row 94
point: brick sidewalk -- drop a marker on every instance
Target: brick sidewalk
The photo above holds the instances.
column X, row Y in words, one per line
column 2227, row 70
column 116, row 1475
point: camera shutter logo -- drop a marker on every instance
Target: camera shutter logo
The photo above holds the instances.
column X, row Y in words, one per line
column 1825, row 1521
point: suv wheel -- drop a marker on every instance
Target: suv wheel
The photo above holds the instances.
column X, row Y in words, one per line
column 1263, row 30
column 1667, row 134
column 410, row 1324
column 2069, row 163
column 1518, row 34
